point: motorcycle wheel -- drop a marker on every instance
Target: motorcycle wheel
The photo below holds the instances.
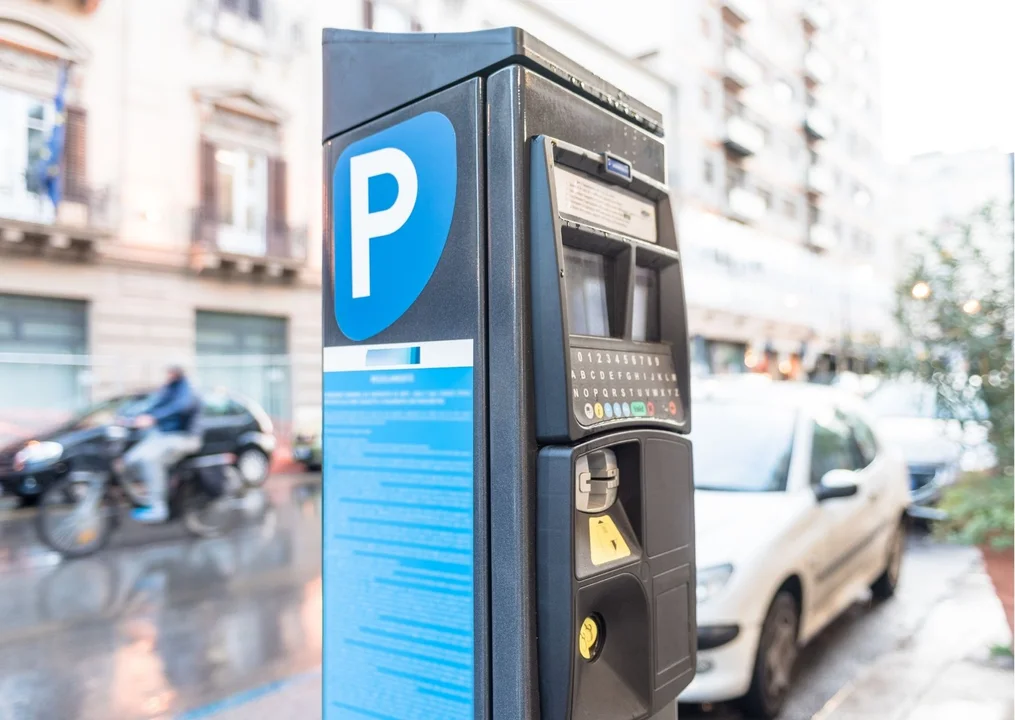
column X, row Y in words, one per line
column 205, row 516
column 75, row 518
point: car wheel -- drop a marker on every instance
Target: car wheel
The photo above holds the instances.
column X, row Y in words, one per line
column 253, row 465
column 884, row 587
column 777, row 653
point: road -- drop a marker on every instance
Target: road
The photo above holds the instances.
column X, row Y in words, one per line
column 160, row 624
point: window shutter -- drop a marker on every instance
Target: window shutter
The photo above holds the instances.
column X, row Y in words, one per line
column 206, row 220
column 368, row 14
column 75, row 169
column 278, row 229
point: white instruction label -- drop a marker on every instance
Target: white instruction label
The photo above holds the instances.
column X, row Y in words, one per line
column 583, row 199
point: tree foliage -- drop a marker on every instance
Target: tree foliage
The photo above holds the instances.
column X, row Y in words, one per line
column 955, row 311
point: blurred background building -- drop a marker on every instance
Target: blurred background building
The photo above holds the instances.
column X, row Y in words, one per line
column 933, row 190
column 188, row 220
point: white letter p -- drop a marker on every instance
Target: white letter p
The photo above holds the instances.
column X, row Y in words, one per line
column 367, row 225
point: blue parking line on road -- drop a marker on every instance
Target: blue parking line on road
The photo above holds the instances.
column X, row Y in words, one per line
column 220, row 706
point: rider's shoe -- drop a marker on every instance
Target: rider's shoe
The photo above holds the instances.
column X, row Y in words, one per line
column 154, row 514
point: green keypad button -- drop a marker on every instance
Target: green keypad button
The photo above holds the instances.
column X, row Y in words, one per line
column 638, row 409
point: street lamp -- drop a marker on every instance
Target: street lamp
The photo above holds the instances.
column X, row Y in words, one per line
column 921, row 291
column 971, row 307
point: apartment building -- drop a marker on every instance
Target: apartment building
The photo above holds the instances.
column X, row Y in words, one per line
column 773, row 130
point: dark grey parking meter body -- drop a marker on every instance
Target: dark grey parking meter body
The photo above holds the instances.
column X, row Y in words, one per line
column 508, row 496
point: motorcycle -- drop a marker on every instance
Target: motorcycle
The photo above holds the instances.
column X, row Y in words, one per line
column 80, row 511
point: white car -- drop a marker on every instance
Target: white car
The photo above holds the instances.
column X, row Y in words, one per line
column 937, row 445
column 799, row 510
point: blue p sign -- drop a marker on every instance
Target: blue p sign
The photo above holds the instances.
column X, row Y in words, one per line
column 394, row 197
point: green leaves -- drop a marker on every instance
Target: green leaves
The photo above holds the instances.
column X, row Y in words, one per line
column 980, row 510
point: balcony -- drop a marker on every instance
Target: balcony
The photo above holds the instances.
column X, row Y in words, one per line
column 743, row 137
column 817, row 68
column 822, row 237
column 818, row 124
column 278, row 253
column 745, row 204
column 819, row 180
column 741, row 70
column 30, row 224
column 739, row 12
column 816, row 17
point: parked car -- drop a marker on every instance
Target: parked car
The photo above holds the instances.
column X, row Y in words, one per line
column 231, row 424
column 936, row 443
column 799, row 510
column 307, row 437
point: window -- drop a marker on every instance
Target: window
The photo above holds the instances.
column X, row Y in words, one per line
column 249, row 9
column 864, row 441
column 706, row 27
column 709, row 172
column 789, row 208
column 25, row 124
column 742, row 447
column 766, row 196
column 46, row 326
column 247, row 355
column 241, row 179
column 218, row 404
column 832, row 445
column 706, row 97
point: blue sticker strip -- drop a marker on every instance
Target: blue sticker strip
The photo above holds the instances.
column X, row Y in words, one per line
column 398, row 543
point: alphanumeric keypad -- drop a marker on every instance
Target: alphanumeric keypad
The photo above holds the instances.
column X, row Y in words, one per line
column 606, row 385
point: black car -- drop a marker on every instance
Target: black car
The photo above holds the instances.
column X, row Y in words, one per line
column 230, row 424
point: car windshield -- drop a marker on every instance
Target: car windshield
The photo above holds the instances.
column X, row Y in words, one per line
column 742, row 447
column 106, row 411
column 909, row 400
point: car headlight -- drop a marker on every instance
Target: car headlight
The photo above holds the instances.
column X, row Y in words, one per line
column 37, row 452
column 711, row 580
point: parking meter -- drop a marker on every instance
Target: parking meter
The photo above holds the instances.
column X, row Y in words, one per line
column 507, row 491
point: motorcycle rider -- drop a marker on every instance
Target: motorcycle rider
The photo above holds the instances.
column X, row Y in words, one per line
column 173, row 418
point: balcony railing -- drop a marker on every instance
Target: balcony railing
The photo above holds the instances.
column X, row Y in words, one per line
column 83, row 217
column 819, row 180
column 741, row 70
column 816, row 17
column 818, row 124
column 740, row 11
column 278, row 250
column 743, row 136
column 745, row 203
column 817, row 68
column 822, row 237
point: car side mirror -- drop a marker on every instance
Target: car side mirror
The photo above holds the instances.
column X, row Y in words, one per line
column 836, row 484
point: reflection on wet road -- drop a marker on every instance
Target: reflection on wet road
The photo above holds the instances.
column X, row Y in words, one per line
column 160, row 623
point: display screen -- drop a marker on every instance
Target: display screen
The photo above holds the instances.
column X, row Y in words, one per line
column 585, row 281
column 645, row 319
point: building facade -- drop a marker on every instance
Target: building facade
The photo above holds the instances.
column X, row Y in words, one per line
column 189, row 222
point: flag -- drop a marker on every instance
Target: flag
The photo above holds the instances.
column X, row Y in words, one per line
column 47, row 174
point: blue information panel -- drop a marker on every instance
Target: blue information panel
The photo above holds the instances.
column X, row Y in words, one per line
column 398, row 534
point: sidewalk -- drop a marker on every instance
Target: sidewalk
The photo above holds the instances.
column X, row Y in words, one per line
column 943, row 671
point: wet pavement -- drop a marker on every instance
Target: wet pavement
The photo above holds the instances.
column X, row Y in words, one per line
column 160, row 623
column 163, row 625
